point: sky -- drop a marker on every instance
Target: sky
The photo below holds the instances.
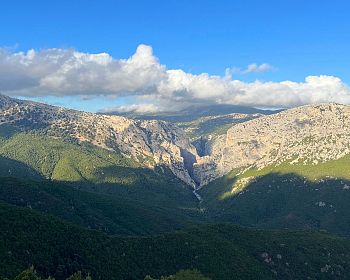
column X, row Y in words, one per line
column 165, row 55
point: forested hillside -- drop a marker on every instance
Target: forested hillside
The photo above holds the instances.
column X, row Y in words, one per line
column 59, row 249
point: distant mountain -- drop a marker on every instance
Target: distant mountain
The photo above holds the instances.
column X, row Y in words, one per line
column 194, row 112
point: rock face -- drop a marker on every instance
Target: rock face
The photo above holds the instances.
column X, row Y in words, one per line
column 148, row 142
column 308, row 134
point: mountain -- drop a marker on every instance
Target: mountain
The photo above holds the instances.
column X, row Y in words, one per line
column 309, row 134
column 149, row 143
column 283, row 170
column 91, row 186
column 60, row 144
column 287, row 170
column 49, row 169
column 114, row 196
column 194, row 112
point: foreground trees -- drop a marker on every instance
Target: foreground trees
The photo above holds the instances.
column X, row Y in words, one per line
column 31, row 274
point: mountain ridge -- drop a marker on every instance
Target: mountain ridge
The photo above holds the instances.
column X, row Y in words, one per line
column 148, row 142
column 293, row 135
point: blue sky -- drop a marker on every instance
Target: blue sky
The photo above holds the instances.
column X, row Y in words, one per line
column 296, row 38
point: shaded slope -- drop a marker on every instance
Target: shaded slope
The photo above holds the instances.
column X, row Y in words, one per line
column 284, row 196
column 113, row 215
column 218, row 251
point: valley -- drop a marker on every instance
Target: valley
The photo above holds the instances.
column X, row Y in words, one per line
column 123, row 198
column 174, row 140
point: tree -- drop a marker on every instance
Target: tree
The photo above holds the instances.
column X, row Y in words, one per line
column 78, row 276
column 29, row 274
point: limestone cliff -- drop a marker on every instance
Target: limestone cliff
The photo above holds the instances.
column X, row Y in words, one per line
column 308, row 134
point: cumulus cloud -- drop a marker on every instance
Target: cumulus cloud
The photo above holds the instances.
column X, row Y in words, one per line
column 67, row 72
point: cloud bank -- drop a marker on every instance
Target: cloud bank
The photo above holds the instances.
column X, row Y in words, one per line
column 67, row 72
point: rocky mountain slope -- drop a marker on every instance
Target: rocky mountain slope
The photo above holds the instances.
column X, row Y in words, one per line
column 149, row 142
column 306, row 135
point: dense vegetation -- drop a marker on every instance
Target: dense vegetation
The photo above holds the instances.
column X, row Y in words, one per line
column 284, row 196
column 31, row 274
column 96, row 211
column 59, row 249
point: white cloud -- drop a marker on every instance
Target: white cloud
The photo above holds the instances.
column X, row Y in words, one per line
column 66, row 72
column 134, row 108
column 251, row 68
column 255, row 68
